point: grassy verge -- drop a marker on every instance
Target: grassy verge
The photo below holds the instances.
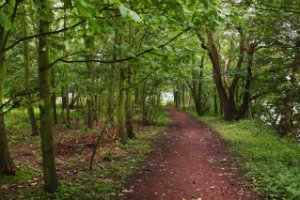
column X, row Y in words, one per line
column 271, row 162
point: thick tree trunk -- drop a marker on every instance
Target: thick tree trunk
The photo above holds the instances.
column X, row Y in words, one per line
column 215, row 102
column 289, row 124
column 129, row 128
column 198, row 105
column 176, row 97
column 227, row 104
column 6, row 163
column 49, row 170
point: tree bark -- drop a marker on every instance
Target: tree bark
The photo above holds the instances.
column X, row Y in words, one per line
column 215, row 102
column 111, row 95
column 227, row 106
column 121, row 114
column 129, row 128
column 53, row 96
column 65, row 82
column 289, row 124
column 49, row 170
column 89, row 43
column 6, row 163
column 246, row 95
column 183, row 96
column 27, row 75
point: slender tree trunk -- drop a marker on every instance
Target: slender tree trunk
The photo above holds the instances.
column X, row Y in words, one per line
column 49, row 170
column 111, row 95
column 143, row 103
column 65, row 81
column 53, row 96
column 65, row 112
column 27, row 75
column 89, row 43
column 246, row 96
column 183, row 96
column 89, row 101
column 130, row 79
column 121, row 114
column 199, row 93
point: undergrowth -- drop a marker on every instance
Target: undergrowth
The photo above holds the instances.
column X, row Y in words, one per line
column 271, row 162
column 107, row 180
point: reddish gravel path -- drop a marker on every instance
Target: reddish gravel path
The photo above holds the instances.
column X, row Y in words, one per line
column 192, row 162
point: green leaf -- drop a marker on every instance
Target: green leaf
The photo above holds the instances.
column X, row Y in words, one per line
column 84, row 8
column 123, row 10
column 126, row 12
column 134, row 16
column 4, row 21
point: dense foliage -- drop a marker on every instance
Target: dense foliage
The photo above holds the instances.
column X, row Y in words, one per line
column 106, row 63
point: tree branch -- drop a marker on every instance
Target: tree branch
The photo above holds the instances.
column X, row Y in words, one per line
column 15, row 103
column 43, row 34
column 123, row 59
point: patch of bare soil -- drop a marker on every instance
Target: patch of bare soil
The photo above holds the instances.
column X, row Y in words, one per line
column 192, row 162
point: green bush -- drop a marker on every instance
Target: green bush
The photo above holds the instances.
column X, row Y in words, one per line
column 271, row 162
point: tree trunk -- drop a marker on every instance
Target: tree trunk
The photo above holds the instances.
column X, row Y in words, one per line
column 183, row 96
column 215, row 102
column 1, row 193
column 65, row 112
column 89, row 101
column 111, row 95
column 176, row 98
column 246, row 96
column 65, row 82
column 6, row 163
column 89, row 43
column 49, row 170
column 27, row 75
column 289, row 124
column 227, row 106
column 121, row 114
column 129, row 127
column 53, row 96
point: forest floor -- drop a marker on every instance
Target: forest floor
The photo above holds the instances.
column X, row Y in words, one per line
column 190, row 162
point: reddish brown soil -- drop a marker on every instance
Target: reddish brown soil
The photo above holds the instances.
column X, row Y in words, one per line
column 191, row 162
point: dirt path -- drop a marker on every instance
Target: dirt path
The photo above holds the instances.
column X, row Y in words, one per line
column 192, row 162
